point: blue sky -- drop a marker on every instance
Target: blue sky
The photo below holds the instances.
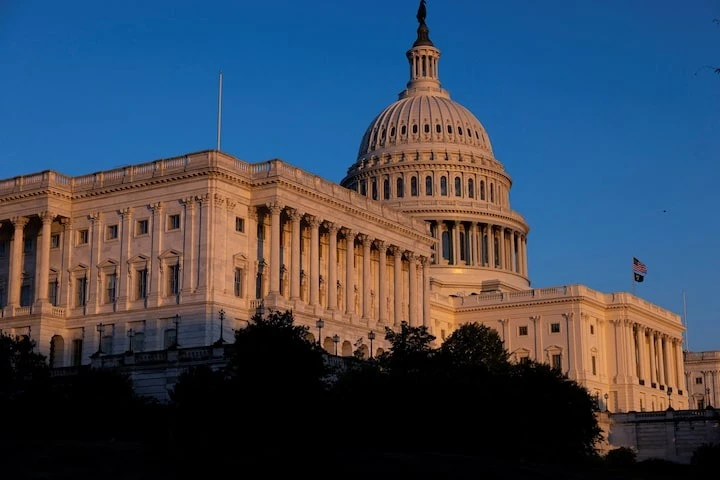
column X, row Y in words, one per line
column 604, row 112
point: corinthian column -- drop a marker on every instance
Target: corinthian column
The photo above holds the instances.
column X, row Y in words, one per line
column 16, row 260
column 275, row 210
column 295, row 216
column 426, row 293
column 366, row 278
column 314, row 261
column 349, row 271
column 43, row 259
column 382, row 282
column 332, row 266
column 398, row 286
column 413, row 289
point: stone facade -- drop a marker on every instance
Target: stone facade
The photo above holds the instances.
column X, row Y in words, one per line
column 182, row 251
column 702, row 370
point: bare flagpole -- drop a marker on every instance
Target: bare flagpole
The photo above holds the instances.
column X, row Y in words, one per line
column 687, row 341
column 219, row 113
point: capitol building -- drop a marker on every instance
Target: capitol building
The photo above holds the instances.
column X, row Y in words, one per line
column 180, row 252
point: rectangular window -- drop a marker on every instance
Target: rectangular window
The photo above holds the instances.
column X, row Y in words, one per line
column 112, row 232
column 53, row 293
column 26, row 295
column 174, row 222
column 523, row 330
column 110, row 287
column 77, row 348
column 170, row 338
column 524, row 359
column 28, row 245
column 592, row 329
column 556, row 360
column 239, row 224
column 698, row 380
column 107, row 344
column 141, row 284
column 594, row 365
column 80, row 291
column 139, row 341
column 55, row 240
column 173, row 279
column 82, row 237
column 554, row 328
column 142, row 227
column 238, row 282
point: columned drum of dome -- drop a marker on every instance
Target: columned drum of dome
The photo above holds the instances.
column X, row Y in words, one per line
column 431, row 158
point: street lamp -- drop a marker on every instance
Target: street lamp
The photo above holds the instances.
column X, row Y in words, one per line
column 606, row 402
column 371, row 337
column 131, row 335
column 669, row 394
column 101, row 330
column 320, row 324
column 336, row 340
column 707, row 396
column 221, row 340
column 177, row 336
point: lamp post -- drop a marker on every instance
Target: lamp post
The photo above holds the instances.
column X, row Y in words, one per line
column 707, row 396
column 320, row 324
column 131, row 335
column 221, row 340
column 669, row 394
column 606, row 402
column 100, row 330
column 336, row 340
column 371, row 337
column 177, row 337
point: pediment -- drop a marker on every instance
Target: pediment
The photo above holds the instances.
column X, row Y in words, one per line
column 170, row 253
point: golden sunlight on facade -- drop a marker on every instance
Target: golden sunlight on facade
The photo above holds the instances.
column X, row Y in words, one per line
column 166, row 253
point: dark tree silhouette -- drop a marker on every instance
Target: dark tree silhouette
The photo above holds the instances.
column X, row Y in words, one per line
column 475, row 345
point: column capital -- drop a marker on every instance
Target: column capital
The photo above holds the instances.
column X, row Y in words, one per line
column 253, row 213
column 332, row 227
column 274, row 207
column 412, row 257
column 568, row 315
column 504, row 321
column 156, row 208
column 189, row 201
column 218, row 199
column 367, row 241
column 230, row 203
column 125, row 212
column 536, row 318
column 314, row 221
column 395, row 250
column 46, row 216
column 95, row 216
column 424, row 261
column 295, row 215
column 349, row 234
column 66, row 222
column 381, row 246
column 19, row 222
column 203, row 198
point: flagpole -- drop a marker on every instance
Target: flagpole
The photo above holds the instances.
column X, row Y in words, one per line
column 632, row 271
column 219, row 114
column 687, row 341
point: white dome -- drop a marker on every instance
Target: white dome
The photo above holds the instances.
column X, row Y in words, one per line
column 431, row 120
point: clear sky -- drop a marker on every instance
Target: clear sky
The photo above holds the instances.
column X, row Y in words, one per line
column 605, row 113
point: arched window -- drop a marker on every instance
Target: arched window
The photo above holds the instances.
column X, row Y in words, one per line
column 426, row 128
column 374, row 189
column 428, row 186
column 492, row 192
column 458, row 187
column 446, row 245
column 413, row 187
column 471, row 188
column 403, row 130
column 386, row 189
column 400, row 188
column 415, row 128
column 438, row 128
column 482, row 189
column 443, row 186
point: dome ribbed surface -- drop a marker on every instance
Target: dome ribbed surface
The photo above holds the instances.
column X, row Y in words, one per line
column 425, row 119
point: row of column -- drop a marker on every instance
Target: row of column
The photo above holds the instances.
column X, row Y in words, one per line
column 418, row 305
column 15, row 271
column 709, row 387
column 482, row 244
column 652, row 355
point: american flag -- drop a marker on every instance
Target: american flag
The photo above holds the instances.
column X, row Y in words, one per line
column 639, row 267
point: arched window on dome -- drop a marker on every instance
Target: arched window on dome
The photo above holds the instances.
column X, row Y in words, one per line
column 438, row 128
column 403, row 130
column 386, row 189
column 482, row 189
column 428, row 186
column 443, row 186
column 458, row 187
column 459, row 130
column 450, row 129
column 400, row 188
column 374, row 189
column 446, row 245
column 471, row 188
column 492, row 193
column 413, row 187
column 426, row 128
column 415, row 129
column 392, row 132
